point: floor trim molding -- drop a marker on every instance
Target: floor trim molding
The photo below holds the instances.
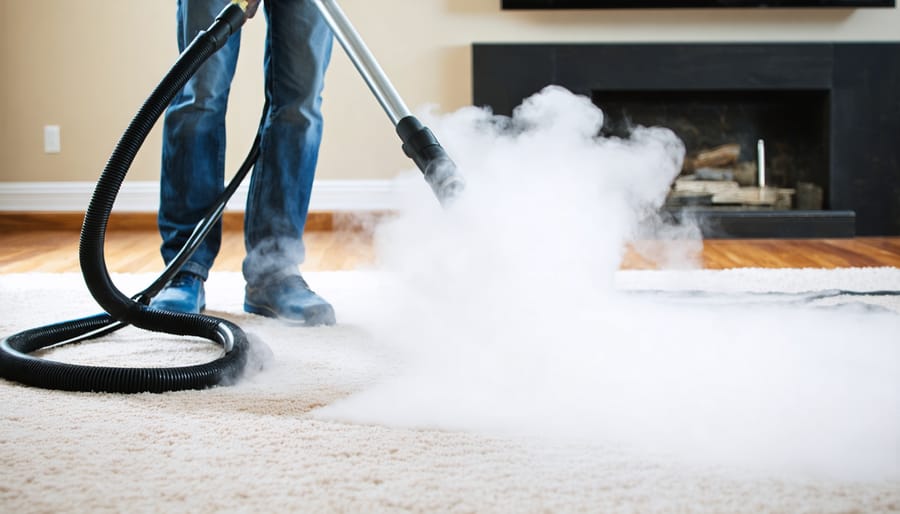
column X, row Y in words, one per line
column 316, row 221
column 143, row 196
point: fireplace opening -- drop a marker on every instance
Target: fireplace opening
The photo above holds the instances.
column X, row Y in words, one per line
column 827, row 113
column 736, row 141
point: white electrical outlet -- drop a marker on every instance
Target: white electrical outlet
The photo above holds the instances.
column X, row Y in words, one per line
column 51, row 139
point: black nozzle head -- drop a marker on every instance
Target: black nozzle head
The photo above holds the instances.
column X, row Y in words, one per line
column 445, row 180
column 441, row 173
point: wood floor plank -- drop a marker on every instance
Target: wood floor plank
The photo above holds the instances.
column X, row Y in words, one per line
column 55, row 249
column 878, row 251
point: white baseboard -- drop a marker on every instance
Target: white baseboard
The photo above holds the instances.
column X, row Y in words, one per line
column 143, row 196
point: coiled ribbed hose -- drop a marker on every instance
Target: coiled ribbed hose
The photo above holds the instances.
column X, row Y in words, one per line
column 15, row 361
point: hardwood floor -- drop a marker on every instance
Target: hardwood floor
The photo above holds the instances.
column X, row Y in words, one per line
column 29, row 245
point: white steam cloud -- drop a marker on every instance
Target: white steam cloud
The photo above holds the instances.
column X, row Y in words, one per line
column 505, row 316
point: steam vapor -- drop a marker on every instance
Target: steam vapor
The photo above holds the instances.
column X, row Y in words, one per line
column 503, row 315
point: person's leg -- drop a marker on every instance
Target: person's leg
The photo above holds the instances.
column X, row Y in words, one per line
column 298, row 49
column 193, row 155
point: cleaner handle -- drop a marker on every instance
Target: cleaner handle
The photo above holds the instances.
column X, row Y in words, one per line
column 228, row 21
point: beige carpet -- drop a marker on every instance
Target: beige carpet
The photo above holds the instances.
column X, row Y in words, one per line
column 266, row 444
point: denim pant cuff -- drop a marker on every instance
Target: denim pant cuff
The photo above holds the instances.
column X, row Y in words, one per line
column 197, row 269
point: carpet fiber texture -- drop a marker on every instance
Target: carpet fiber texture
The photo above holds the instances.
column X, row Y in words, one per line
column 264, row 446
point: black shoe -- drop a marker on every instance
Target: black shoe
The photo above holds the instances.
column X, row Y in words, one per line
column 184, row 293
column 289, row 298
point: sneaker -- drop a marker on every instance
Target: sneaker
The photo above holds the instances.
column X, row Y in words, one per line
column 184, row 293
column 288, row 298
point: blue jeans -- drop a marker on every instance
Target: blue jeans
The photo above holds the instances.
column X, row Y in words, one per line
column 297, row 52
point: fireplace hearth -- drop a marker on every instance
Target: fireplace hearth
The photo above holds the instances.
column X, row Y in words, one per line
column 826, row 114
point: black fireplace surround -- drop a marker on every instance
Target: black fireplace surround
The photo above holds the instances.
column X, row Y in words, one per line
column 858, row 85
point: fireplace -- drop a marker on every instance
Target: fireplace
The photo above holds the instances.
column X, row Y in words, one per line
column 819, row 122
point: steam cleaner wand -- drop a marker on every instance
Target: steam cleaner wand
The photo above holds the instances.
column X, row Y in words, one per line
column 419, row 143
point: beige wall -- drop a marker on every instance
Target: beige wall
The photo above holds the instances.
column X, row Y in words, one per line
column 88, row 66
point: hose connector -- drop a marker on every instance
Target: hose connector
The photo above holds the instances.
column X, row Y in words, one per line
column 229, row 21
column 247, row 6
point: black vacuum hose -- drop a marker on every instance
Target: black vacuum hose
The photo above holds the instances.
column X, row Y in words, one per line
column 16, row 363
